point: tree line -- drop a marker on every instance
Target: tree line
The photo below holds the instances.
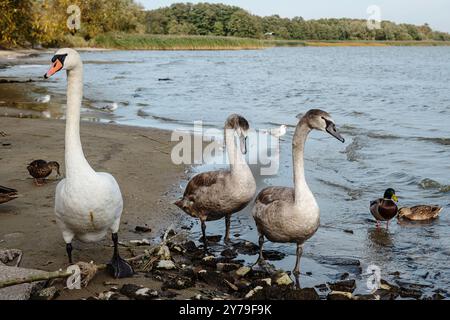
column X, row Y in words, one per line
column 44, row 22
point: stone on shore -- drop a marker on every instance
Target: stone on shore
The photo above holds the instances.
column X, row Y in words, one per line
column 21, row 291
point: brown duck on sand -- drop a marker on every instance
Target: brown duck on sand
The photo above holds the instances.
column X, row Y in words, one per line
column 41, row 169
column 7, row 194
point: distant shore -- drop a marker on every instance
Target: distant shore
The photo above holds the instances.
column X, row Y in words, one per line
column 203, row 43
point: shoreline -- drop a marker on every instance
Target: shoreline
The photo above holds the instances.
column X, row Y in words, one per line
column 137, row 157
column 11, row 55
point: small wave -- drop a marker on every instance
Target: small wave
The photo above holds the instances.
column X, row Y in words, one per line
column 433, row 184
column 382, row 136
column 442, row 141
column 352, row 150
column 29, row 66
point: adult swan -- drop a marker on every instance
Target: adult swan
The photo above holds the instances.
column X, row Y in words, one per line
column 291, row 215
column 88, row 204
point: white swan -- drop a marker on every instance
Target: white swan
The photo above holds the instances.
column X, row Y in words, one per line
column 291, row 215
column 87, row 204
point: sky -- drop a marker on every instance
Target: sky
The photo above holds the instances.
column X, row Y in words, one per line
column 434, row 12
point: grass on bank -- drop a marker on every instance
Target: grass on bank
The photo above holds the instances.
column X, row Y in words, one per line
column 165, row 42
column 170, row 42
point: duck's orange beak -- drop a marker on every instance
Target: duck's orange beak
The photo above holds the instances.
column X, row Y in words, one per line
column 56, row 66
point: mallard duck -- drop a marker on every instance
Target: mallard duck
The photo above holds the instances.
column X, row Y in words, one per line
column 213, row 195
column 41, row 169
column 419, row 213
column 88, row 204
column 384, row 209
column 292, row 215
column 7, row 194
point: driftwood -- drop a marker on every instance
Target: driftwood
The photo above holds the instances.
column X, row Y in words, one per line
column 87, row 273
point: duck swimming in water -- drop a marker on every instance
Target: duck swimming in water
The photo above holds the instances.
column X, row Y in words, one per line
column 384, row 209
column 41, row 169
column 88, row 204
column 291, row 215
column 213, row 195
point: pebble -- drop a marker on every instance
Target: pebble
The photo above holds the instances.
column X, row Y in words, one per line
column 344, row 286
column 138, row 292
column 227, row 267
column 242, row 271
column 285, row 293
column 340, row 295
column 252, row 292
column 49, row 293
column 143, row 229
column 178, row 283
column 283, row 280
column 166, row 265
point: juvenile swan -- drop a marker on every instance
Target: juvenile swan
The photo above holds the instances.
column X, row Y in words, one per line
column 87, row 204
column 213, row 195
column 284, row 214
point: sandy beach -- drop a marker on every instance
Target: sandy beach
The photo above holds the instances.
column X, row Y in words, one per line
column 138, row 158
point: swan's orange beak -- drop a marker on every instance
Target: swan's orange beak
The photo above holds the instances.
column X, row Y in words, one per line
column 56, row 66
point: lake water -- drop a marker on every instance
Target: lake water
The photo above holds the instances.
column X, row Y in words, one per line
column 391, row 104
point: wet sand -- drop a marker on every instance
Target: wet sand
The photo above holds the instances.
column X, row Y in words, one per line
column 138, row 158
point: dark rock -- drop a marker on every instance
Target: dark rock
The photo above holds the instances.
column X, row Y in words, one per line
column 227, row 267
column 213, row 239
column 366, row 297
column 246, row 247
column 138, row 292
column 229, row 253
column 345, row 286
column 339, row 295
column 178, row 283
column 168, row 294
column 215, row 279
column 189, row 273
column 410, row 293
column 338, row 261
column 349, row 264
column 284, row 293
column 343, row 276
column 49, row 293
column 190, row 246
column 142, row 229
column 388, row 291
column 243, row 285
column 322, row 287
column 267, row 282
column 273, row 255
column 438, row 296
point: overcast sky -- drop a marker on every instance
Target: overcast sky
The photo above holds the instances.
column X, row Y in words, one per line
column 435, row 12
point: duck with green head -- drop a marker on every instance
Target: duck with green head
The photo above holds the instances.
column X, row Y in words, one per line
column 384, row 209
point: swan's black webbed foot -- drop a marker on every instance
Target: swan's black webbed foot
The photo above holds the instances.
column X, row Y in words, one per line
column 118, row 267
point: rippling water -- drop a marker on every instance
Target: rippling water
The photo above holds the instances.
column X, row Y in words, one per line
column 391, row 104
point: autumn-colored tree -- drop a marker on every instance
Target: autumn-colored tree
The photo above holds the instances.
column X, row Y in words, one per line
column 15, row 22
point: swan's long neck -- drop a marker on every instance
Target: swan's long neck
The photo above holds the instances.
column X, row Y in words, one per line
column 303, row 195
column 238, row 165
column 76, row 163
